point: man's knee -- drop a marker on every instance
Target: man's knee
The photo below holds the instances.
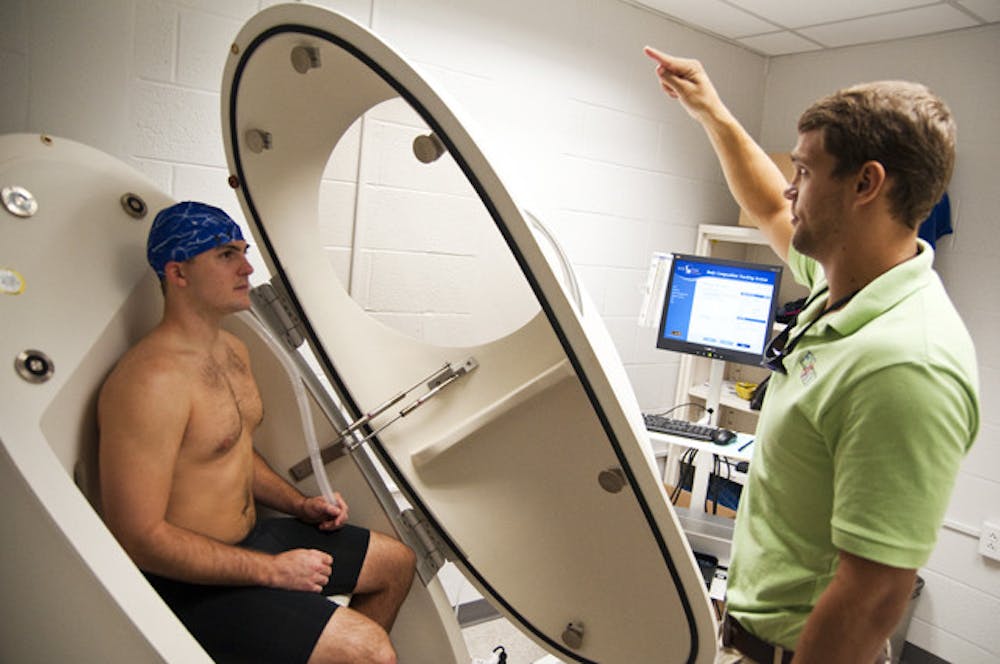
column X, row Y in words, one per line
column 407, row 557
column 377, row 651
column 384, row 653
column 400, row 557
column 351, row 637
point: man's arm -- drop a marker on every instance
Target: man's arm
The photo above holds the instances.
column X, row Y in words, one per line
column 755, row 181
column 140, row 436
column 856, row 613
column 272, row 490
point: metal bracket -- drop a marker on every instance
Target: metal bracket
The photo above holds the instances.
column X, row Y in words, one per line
column 274, row 307
column 331, row 452
column 446, row 376
column 351, row 437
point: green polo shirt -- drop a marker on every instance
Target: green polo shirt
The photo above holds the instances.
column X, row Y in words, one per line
column 857, row 447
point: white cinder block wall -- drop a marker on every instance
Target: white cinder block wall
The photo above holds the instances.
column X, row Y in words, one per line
column 568, row 108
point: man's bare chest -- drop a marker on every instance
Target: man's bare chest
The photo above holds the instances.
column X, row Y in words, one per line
column 225, row 406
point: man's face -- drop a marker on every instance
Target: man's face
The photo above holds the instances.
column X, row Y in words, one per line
column 819, row 200
column 220, row 277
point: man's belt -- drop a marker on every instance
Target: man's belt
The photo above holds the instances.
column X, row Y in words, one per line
column 735, row 636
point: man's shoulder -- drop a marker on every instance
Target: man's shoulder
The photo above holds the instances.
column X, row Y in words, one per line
column 155, row 362
column 150, row 386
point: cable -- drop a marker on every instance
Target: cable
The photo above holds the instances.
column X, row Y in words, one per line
column 718, row 484
column 676, row 492
column 685, row 473
column 713, row 486
column 682, row 405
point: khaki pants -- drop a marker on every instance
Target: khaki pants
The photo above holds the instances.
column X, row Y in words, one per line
column 732, row 656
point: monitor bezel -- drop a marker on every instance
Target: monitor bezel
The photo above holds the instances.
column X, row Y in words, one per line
column 717, row 352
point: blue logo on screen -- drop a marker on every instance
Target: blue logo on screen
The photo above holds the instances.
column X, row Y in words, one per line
column 720, row 306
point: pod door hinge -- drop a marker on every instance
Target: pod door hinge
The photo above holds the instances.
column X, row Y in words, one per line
column 426, row 542
column 273, row 306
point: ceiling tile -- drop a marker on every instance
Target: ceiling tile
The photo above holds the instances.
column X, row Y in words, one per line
column 813, row 12
column 779, row 43
column 935, row 18
column 781, row 27
column 988, row 10
column 712, row 15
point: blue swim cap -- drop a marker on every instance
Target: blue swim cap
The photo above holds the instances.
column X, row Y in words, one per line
column 184, row 230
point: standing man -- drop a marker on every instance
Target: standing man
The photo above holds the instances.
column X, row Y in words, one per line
column 180, row 479
column 872, row 401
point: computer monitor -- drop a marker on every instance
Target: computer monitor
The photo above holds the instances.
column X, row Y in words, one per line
column 719, row 309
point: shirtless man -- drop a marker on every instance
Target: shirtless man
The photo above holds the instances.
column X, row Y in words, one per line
column 180, row 479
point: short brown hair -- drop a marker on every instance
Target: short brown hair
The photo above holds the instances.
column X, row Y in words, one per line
column 903, row 126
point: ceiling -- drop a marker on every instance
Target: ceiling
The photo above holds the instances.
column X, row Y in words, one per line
column 780, row 27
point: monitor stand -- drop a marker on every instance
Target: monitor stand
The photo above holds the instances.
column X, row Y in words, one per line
column 716, row 372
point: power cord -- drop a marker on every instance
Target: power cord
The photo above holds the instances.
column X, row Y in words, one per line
column 685, row 473
column 682, row 405
column 499, row 657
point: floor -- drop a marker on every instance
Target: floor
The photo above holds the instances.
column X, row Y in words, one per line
column 483, row 637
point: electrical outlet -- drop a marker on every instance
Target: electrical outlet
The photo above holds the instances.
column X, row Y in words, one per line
column 989, row 540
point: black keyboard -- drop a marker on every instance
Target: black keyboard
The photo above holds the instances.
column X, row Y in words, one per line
column 668, row 425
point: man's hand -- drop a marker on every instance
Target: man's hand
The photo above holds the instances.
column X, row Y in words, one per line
column 686, row 81
column 326, row 515
column 755, row 182
column 301, row 569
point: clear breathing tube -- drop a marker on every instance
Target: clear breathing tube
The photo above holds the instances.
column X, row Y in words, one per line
column 305, row 413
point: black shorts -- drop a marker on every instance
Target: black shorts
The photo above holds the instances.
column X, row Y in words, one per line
column 250, row 624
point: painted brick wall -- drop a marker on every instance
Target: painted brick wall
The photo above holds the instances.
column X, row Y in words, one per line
column 568, row 109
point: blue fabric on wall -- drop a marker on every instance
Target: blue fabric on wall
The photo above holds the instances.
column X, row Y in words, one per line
column 938, row 223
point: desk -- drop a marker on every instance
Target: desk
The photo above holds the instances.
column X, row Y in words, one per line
column 663, row 443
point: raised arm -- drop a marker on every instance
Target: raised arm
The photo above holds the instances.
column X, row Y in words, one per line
column 755, row 181
column 143, row 411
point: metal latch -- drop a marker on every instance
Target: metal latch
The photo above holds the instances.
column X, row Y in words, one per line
column 351, row 438
column 274, row 307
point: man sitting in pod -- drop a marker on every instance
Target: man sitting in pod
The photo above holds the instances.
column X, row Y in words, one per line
column 180, row 479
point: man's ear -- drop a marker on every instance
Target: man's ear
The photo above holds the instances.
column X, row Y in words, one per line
column 870, row 181
column 174, row 272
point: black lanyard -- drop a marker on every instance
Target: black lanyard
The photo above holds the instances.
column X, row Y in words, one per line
column 781, row 346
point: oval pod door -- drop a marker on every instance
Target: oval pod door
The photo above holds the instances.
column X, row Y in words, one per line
column 532, row 466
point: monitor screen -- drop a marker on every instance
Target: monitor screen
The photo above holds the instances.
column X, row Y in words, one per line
column 717, row 308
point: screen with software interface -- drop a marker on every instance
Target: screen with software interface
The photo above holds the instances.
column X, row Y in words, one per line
column 717, row 308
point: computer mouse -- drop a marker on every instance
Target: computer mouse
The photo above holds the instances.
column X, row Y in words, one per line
column 723, row 436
